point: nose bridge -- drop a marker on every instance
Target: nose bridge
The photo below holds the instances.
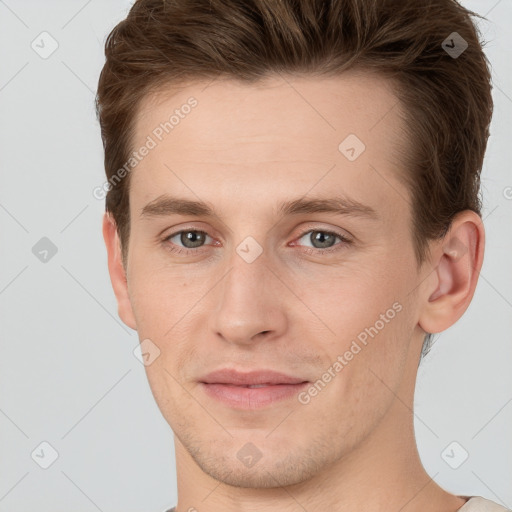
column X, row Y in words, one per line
column 247, row 298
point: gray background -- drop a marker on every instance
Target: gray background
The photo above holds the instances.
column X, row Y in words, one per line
column 68, row 374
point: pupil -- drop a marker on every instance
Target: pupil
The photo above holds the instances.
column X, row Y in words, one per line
column 320, row 236
column 192, row 237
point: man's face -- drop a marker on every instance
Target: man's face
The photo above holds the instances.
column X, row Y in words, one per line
column 266, row 288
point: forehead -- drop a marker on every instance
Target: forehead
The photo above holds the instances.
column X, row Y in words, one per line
column 282, row 133
column 229, row 110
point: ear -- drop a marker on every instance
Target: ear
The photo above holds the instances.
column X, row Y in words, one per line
column 117, row 271
column 457, row 260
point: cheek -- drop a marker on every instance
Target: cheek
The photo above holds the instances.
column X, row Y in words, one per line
column 159, row 296
column 165, row 304
column 374, row 361
column 370, row 319
column 351, row 299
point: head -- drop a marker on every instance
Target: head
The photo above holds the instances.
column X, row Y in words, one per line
column 253, row 114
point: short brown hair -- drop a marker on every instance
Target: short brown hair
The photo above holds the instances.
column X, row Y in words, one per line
column 447, row 101
column 446, row 98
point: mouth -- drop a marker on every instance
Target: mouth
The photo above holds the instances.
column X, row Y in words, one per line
column 250, row 391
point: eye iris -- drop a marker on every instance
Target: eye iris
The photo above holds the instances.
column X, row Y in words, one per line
column 325, row 239
column 195, row 238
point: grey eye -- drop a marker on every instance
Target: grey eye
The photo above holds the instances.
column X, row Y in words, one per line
column 321, row 239
column 189, row 238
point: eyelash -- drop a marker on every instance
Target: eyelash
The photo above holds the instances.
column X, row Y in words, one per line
column 309, row 250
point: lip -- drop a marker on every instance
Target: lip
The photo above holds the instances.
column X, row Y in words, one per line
column 229, row 386
column 239, row 397
column 236, row 378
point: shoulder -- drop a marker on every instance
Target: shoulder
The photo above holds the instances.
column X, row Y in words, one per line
column 474, row 504
column 479, row 504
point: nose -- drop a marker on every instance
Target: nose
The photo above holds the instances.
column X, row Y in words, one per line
column 250, row 302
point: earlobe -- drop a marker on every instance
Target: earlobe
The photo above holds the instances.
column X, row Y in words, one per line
column 117, row 271
column 457, row 263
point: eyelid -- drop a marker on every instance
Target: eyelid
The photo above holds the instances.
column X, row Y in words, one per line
column 185, row 230
column 314, row 226
column 344, row 241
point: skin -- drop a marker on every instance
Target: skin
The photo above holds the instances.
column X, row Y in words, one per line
column 244, row 149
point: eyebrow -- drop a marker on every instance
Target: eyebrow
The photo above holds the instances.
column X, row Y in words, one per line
column 166, row 205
